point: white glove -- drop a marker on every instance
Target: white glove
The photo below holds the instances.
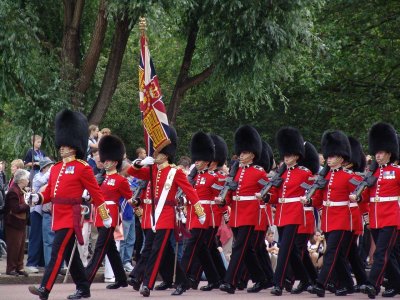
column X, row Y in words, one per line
column 86, row 195
column 202, row 219
column 107, row 222
column 147, row 161
column 35, row 198
column 28, row 197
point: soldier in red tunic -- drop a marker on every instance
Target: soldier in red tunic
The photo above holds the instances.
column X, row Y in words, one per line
column 335, row 219
column 68, row 179
column 245, row 208
column 113, row 187
column 204, row 182
column 289, row 213
column 384, row 211
column 166, row 180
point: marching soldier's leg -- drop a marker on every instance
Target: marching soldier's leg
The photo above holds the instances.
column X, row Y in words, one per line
column 393, row 272
column 116, row 263
column 356, row 263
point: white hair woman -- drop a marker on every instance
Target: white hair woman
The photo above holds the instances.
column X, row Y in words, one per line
column 16, row 218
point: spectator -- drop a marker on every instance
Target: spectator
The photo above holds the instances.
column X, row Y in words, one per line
column 34, row 155
column 105, row 131
column 94, row 138
column 184, row 164
column 316, row 248
column 272, row 248
column 128, row 223
column 15, row 165
column 141, row 153
column 16, row 219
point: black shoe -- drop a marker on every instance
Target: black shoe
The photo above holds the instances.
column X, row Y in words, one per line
column 145, row 291
column 288, row 284
column 163, row 286
column 135, row 284
column 41, row 292
column 193, row 283
column 180, row 289
column 368, row 289
column 210, row 286
column 241, row 285
column 318, row 290
column 343, row 291
column 301, row 287
column 356, row 288
column 258, row 286
column 117, row 285
column 388, row 293
column 23, row 273
column 79, row 294
column 226, row 287
column 277, row 291
column 12, row 273
column 331, row 287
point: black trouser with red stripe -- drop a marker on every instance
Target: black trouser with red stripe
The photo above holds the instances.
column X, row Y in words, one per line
column 301, row 245
column 243, row 250
column 161, row 256
column 258, row 242
column 288, row 253
column 63, row 244
column 140, row 267
column 105, row 245
column 337, row 243
column 385, row 240
column 391, row 269
column 197, row 248
column 356, row 263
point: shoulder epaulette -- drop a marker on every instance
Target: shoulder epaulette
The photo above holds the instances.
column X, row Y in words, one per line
column 258, row 167
column 348, row 171
column 82, row 162
column 212, row 173
column 396, row 166
column 304, row 168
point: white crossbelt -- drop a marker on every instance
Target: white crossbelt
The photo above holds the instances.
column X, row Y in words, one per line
column 308, row 208
column 244, row 198
column 109, row 202
column 335, row 203
column 207, row 201
column 289, row 200
column 353, row 204
column 383, row 199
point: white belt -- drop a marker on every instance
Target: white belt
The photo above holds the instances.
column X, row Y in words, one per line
column 244, row 198
column 335, row 203
column 289, row 200
column 262, row 206
column 383, row 199
column 207, row 201
column 109, row 202
column 353, row 204
column 147, row 201
column 308, row 208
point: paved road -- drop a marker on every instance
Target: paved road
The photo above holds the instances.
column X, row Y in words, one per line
column 99, row 292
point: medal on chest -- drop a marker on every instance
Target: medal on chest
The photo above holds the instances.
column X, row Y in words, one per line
column 203, row 180
column 70, row 170
column 111, row 182
column 389, row 175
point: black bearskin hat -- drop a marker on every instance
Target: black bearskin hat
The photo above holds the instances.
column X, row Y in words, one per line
column 336, row 143
column 72, row 130
column 221, row 149
column 311, row 158
column 170, row 150
column 290, row 142
column 264, row 160
column 382, row 137
column 202, row 147
column 247, row 139
column 111, row 148
column 357, row 155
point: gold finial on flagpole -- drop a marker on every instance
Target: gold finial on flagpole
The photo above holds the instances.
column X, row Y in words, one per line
column 142, row 25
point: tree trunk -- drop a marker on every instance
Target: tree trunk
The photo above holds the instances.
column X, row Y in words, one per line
column 184, row 82
column 110, row 79
column 92, row 56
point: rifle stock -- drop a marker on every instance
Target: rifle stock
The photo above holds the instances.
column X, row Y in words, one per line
column 318, row 184
column 275, row 181
column 368, row 181
column 230, row 184
column 138, row 190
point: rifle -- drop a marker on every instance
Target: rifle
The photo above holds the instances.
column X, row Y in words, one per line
column 141, row 185
column 230, row 184
column 318, row 184
column 368, row 181
column 275, row 181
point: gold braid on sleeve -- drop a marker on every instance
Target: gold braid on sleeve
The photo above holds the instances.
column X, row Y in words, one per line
column 199, row 210
column 103, row 211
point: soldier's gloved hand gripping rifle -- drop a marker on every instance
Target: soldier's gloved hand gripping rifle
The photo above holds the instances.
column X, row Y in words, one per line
column 275, row 181
column 180, row 196
column 318, row 184
column 368, row 181
column 230, row 185
column 137, row 191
